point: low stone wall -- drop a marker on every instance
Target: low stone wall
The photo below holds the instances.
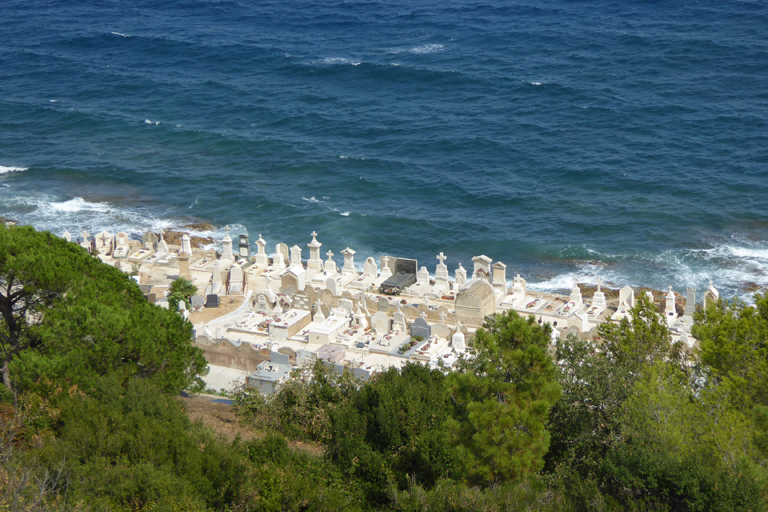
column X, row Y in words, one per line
column 224, row 353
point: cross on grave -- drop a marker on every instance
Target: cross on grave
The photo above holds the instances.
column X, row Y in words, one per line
column 103, row 240
column 670, row 289
column 710, row 283
column 162, row 232
column 442, row 258
column 314, row 236
column 575, row 280
column 227, row 228
column 599, row 282
column 330, row 255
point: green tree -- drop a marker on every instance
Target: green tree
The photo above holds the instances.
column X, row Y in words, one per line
column 68, row 318
column 181, row 289
column 501, row 399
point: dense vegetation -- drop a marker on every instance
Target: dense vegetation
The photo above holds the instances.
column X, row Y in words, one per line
column 91, row 420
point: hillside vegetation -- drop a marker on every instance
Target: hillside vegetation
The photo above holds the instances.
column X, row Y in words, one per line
column 91, row 420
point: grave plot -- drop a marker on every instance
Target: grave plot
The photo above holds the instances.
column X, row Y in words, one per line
column 430, row 348
column 364, row 342
column 389, row 343
column 140, row 255
column 349, row 336
column 289, row 323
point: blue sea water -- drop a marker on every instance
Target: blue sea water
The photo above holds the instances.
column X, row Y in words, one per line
column 620, row 139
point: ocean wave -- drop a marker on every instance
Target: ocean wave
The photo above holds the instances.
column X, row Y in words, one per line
column 419, row 50
column 4, row 169
column 78, row 204
column 121, row 35
column 332, row 61
column 147, row 121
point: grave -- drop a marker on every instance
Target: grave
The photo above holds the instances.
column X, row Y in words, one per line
column 500, row 280
column 476, row 301
column 261, row 259
column 404, row 276
column 461, row 276
column 296, row 257
column 212, row 301
column 482, row 267
column 420, row 327
column 315, row 263
column 690, row 302
column 244, row 247
column 226, row 247
column 235, row 281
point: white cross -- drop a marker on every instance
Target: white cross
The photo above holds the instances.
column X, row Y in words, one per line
column 330, row 255
column 227, row 228
column 599, row 282
column 314, row 235
column 442, row 258
column 670, row 289
column 575, row 280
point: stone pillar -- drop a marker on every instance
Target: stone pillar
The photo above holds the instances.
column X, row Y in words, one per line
column 216, row 278
column 500, row 277
column 186, row 246
column 461, row 276
column 162, row 246
column 599, row 298
column 184, row 266
column 690, row 302
column 245, row 247
column 226, row 247
column 576, row 293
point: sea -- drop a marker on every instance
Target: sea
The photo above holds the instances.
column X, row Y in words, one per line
column 625, row 140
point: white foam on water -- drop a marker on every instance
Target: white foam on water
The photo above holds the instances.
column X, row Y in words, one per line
column 147, row 121
column 121, row 35
column 78, row 204
column 344, row 214
column 311, row 199
column 427, row 48
column 338, row 60
column 54, row 101
column 4, row 169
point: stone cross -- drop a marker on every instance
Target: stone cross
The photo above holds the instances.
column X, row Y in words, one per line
column 599, row 282
column 227, row 228
column 330, row 255
column 442, row 258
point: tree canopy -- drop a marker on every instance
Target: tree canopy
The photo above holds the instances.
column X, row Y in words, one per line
column 67, row 317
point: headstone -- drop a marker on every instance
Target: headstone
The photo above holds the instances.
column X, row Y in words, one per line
column 197, row 301
column 670, row 303
column 279, row 260
column 330, row 284
column 422, row 276
column 66, row 236
column 85, row 240
column 461, row 275
column 292, row 281
column 482, row 266
column 315, row 262
column 386, row 272
column 380, row 323
column 399, row 320
column 347, row 306
column 283, row 249
column 419, row 327
column 330, row 265
column 500, row 277
column 216, row 278
column 599, row 298
column 104, row 242
column 627, row 297
column 690, row 302
column 226, row 246
column 212, row 301
column 383, row 305
column 244, row 246
column 162, row 246
column 349, row 261
column 235, row 280
column 441, row 271
column 151, row 239
column 458, row 341
column 186, row 246
column 360, row 320
column 369, row 268
column 296, row 256
column 576, row 293
column 261, row 258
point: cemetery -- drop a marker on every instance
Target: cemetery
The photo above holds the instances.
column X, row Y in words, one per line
column 269, row 313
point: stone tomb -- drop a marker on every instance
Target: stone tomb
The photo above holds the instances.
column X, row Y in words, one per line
column 289, row 323
column 104, row 243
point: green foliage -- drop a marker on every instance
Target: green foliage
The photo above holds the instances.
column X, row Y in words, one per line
column 68, row 318
column 501, row 400
column 734, row 351
column 392, row 429
column 301, row 406
column 183, row 286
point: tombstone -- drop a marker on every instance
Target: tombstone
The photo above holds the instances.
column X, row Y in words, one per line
column 441, row 271
column 85, row 242
column 327, row 296
column 181, row 306
column 262, row 304
column 627, row 297
column 576, row 293
column 349, row 261
column 500, row 277
column 457, row 340
column 309, row 290
column 360, row 320
column 103, row 242
column 149, row 240
column 216, row 278
column 461, row 276
column 283, row 249
column 235, row 281
column 399, row 320
column 315, row 262
column 226, row 246
column 369, row 268
column 690, row 302
column 292, row 281
column 422, row 276
column 383, row 305
column 296, row 256
column 183, row 261
column 482, row 266
column 380, row 323
column 261, row 258
column 212, row 301
column 441, row 331
column 244, row 246
column 710, row 296
column 330, row 284
column 162, row 246
column 348, row 306
column 386, row 272
column 66, row 236
column 279, row 260
column 420, row 327
column 599, row 298
column 330, row 265
column 520, row 284
column 670, row 304
column 197, row 301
